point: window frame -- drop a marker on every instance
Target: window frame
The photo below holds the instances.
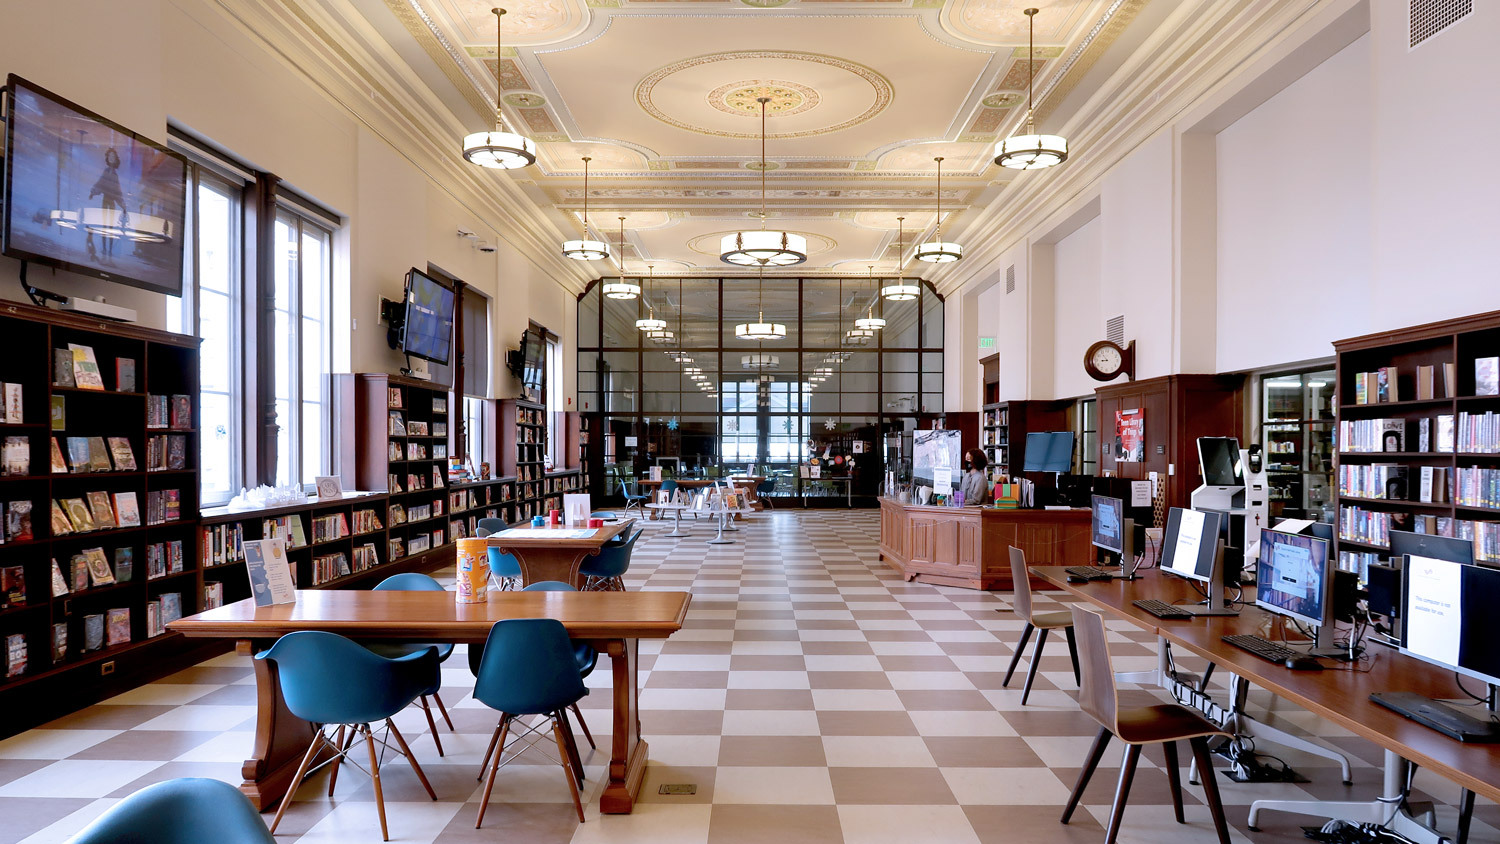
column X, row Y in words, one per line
column 297, row 400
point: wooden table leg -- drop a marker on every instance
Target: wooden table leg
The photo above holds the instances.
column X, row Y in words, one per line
column 280, row 738
column 627, row 757
column 560, row 564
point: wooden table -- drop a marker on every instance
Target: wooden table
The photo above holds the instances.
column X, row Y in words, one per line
column 554, row 557
column 612, row 622
column 1340, row 696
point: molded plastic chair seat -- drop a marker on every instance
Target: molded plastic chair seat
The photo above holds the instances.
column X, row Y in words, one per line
column 506, row 567
column 181, row 811
column 605, row 570
column 488, row 527
column 764, row 490
column 417, row 582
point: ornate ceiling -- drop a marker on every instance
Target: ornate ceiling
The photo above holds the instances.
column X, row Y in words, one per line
column 662, row 95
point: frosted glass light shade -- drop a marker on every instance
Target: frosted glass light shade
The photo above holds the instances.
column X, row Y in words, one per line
column 760, row 331
column 899, row 292
column 1031, row 152
column 869, row 323
column 621, row 289
column 661, row 336
column 939, row 252
column 499, row 150
column 760, row 360
column 650, row 324
column 763, row 248
column 586, row 250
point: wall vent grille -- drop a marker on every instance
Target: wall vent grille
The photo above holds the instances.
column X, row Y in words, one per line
column 1114, row 330
column 1010, row 279
column 1429, row 17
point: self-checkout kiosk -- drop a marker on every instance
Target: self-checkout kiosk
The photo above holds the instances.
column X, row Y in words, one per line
column 1234, row 484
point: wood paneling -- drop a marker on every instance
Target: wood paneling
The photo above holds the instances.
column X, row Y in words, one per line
column 1179, row 409
column 967, row 546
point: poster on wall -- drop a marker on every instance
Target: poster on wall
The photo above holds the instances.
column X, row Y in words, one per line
column 1130, row 435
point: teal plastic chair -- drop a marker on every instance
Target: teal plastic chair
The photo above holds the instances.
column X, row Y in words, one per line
column 181, row 811
column 583, row 653
column 526, row 670
column 605, row 571
column 329, row 681
column 669, row 486
column 764, row 490
column 413, row 581
column 486, row 527
column 601, row 514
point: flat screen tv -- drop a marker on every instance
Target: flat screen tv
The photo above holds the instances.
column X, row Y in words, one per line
column 534, row 361
column 87, row 195
column 428, row 329
column 1049, row 451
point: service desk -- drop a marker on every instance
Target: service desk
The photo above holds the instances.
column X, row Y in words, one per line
column 967, row 546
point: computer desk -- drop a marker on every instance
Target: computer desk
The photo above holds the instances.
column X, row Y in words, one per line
column 1339, row 695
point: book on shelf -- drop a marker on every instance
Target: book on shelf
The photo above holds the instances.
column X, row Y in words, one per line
column 127, row 509
column 15, row 655
column 59, row 642
column 78, row 514
column 18, row 521
column 13, row 407
column 15, row 456
column 1477, row 487
column 213, row 595
column 366, row 557
column 116, row 626
column 93, row 632
column 1486, row 377
column 125, row 375
column 287, row 528
column 171, row 607
column 78, row 569
column 99, row 571
column 100, row 510
column 119, row 448
column 85, row 368
column 182, row 411
column 12, row 586
column 62, row 368
column 157, row 412
column 124, row 564
column 78, row 454
column 1478, row 433
column 1444, row 434
column 57, row 413
column 154, row 627
column 1426, row 382
column 59, row 465
column 393, row 397
column 396, row 425
column 59, row 583
column 99, row 455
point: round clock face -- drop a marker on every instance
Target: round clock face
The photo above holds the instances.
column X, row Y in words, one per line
column 1107, row 359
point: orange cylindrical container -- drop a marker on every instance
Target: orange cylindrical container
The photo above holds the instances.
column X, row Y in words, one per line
column 473, row 571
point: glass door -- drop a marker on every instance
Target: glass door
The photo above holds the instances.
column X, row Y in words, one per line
column 1297, row 437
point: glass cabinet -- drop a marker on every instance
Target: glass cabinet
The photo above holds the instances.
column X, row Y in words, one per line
column 1297, row 427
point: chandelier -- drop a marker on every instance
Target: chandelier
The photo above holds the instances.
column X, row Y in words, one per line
column 761, row 247
column 870, row 322
column 661, row 337
column 900, row 290
column 500, row 149
column 760, row 360
column 935, row 251
column 585, row 249
column 622, row 289
column 1031, row 151
column 760, row 330
column 650, row 323
column 859, row 336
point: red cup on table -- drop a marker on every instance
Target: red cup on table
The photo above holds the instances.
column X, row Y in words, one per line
column 554, row 517
column 596, row 523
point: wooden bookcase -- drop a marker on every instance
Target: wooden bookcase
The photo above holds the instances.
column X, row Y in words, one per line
column 1363, row 519
column 164, row 365
column 1004, row 425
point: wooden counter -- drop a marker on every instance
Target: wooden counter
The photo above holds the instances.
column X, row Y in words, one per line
column 967, row 546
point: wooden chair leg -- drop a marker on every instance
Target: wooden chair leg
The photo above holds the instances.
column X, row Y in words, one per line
column 1122, row 792
column 1016, row 657
column 567, row 764
column 385, row 834
column 338, row 757
column 489, row 784
column 1174, row 777
column 1036, row 660
column 410, row 757
column 1096, row 753
column 1210, row 786
column 444, row 710
column 312, row 750
column 495, row 737
column 572, row 745
column 431, row 724
column 585, row 726
column 1073, row 652
column 1465, row 816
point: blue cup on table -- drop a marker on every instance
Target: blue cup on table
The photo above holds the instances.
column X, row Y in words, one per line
column 538, row 521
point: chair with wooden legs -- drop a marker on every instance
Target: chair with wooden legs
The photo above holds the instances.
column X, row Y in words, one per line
column 329, row 680
column 412, row 581
column 1164, row 724
column 1041, row 622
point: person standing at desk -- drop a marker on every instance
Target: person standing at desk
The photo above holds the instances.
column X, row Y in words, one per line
column 975, row 484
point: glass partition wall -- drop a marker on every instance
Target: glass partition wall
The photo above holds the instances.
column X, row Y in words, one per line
column 702, row 402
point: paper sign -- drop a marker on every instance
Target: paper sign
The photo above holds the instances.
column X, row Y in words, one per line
column 1140, row 493
column 630, row 442
column 546, row 533
column 329, row 487
column 942, row 480
column 576, row 508
column 815, row 471
column 270, row 573
column 859, row 446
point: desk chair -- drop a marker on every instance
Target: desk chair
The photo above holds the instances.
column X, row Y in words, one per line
column 526, row 670
column 1041, row 622
column 764, row 490
column 417, row 582
column 329, row 680
column 605, row 571
column 583, row 653
column 632, row 499
column 1164, row 724
column 181, row 811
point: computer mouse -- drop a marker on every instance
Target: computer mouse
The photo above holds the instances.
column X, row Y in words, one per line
column 1073, row 578
column 1303, row 663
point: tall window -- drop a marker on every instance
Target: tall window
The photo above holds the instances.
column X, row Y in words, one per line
column 303, row 275
column 555, row 435
column 1088, row 436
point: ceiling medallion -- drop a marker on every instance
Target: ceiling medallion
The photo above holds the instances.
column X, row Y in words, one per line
column 586, row 249
column 1031, row 151
column 936, row 251
column 786, row 98
column 500, row 149
column 763, row 248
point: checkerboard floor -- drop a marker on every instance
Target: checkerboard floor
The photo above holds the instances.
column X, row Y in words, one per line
column 812, row 697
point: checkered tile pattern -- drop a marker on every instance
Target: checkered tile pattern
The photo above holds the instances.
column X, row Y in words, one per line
column 812, row 697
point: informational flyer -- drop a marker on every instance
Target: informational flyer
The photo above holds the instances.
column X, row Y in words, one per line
column 1130, row 435
column 270, row 572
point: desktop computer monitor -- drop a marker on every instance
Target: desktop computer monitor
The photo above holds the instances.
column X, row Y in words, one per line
column 1322, row 530
column 1404, row 543
column 1220, row 459
column 1293, row 577
column 1048, row 451
column 1111, row 532
column 1190, row 544
column 1449, row 617
column 1232, row 532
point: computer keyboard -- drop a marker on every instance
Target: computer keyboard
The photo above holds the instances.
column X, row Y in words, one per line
column 1263, row 648
column 1446, row 720
column 1088, row 573
column 1162, row 609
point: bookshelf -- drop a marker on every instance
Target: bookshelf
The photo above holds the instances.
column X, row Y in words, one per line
column 994, row 437
column 140, row 371
column 1418, row 438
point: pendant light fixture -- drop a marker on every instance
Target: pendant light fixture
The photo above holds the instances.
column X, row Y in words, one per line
column 900, row 290
column 869, row 321
column 650, row 323
column 622, row 289
column 500, row 149
column 935, row 251
column 760, row 330
column 760, row 360
column 585, row 249
column 761, row 247
column 1031, row 151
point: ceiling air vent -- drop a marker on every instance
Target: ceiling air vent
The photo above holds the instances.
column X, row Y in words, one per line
column 1010, row 279
column 1429, row 17
column 1114, row 330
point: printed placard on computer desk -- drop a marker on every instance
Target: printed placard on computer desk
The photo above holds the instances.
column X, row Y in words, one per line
column 270, row 573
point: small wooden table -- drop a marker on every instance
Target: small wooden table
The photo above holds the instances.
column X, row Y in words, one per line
column 612, row 622
column 554, row 557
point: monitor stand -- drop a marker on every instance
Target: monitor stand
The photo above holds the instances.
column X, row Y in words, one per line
column 1216, row 601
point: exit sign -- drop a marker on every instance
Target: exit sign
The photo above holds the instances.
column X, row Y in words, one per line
column 986, row 342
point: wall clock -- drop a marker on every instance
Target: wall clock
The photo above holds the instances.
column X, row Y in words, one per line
column 1106, row 361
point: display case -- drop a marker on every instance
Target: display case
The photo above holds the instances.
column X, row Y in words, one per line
column 1297, row 423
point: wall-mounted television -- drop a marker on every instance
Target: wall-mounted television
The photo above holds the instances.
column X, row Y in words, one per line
column 85, row 194
column 427, row 331
column 534, row 361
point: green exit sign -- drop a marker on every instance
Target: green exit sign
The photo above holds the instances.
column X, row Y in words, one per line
column 986, row 342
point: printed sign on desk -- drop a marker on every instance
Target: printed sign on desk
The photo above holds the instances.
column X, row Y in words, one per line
column 270, row 572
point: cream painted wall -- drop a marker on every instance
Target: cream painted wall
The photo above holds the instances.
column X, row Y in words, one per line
column 1135, row 245
column 1078, row 320
column 1294, row 250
